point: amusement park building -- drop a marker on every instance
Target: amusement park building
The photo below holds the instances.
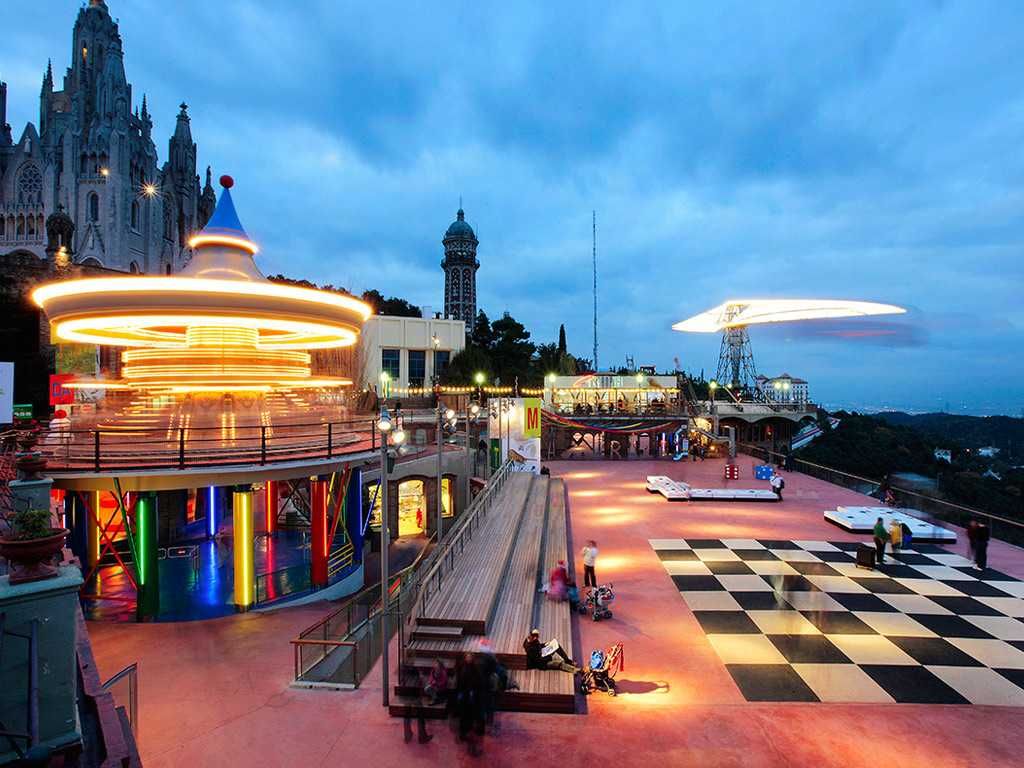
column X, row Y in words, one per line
column 412, row 350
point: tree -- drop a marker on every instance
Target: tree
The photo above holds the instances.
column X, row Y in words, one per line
column 393, row 306
column 512, row 350
column 562, row 349
column 466, row 364
column 482, row 335
column 547, row 360
column 584, row 365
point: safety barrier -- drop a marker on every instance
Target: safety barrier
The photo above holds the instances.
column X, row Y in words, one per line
column 930, row 508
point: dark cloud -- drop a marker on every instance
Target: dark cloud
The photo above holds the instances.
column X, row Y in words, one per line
column 856, row 149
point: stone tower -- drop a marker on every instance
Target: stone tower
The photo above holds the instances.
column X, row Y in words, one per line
column 460, row 266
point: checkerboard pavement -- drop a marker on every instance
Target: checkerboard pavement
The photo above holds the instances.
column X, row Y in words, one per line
column 800, row 621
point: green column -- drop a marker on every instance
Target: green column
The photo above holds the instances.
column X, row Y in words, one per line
column 146, row 564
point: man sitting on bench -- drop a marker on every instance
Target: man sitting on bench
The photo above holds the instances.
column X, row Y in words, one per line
column 549, row 656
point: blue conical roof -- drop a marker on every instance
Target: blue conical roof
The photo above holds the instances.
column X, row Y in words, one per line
column 224, row 220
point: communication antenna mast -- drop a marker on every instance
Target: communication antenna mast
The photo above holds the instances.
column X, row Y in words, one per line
column 594, row 257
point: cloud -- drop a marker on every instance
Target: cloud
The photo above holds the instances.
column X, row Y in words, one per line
column 865, row 150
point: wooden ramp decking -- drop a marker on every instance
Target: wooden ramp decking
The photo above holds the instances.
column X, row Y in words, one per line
column 495, row 593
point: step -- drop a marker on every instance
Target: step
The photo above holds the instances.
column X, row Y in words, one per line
column 436, row 633
column 407, row 706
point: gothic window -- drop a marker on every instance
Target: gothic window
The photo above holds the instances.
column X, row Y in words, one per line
column 21, row 227
column 167, row 269
column 94, row 206
column 3, row 227
column 135, row 215
column 30, row 184
column 134, row 268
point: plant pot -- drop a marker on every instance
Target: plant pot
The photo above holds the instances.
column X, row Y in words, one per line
column 29, row 559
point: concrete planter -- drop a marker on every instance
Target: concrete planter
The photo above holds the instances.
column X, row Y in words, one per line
column 29, row 558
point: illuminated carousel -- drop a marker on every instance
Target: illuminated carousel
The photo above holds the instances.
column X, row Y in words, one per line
column 217, row 349
column 217, row 424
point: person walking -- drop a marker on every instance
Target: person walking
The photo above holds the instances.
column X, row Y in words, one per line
column 981, row 546
column 895, row 537
column 881, row 536
column 411, row 679
column 777, row 484
column 972, row 539
column 589, row 561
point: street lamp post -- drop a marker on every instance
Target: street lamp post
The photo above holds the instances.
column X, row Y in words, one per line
column 384, row 426
column 445, row 417
column 471, row 412
column 712, row 386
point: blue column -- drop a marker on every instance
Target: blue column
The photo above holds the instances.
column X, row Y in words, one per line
column 354, row 513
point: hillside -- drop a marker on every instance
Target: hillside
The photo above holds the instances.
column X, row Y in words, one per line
column 1005, row 432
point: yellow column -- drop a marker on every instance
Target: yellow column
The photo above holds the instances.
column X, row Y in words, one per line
column 92, row 528
column 241, row 514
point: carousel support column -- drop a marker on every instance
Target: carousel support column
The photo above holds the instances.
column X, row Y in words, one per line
column 318, row 546
column 212, row 511
column 241, row 516
column 92, row 528
column 147, row 567
column 272, row 499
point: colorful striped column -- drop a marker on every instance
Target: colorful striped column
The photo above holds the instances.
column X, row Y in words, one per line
column 271, row 499
column 318, row 548
column 147, row 563
column 212, row 513
column 92, row 528
column 241, row 515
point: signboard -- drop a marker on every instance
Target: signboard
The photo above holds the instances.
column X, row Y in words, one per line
column 23, row 411
column 531, row 417
column 6, row 393
column 59, row 394
column 514, row 432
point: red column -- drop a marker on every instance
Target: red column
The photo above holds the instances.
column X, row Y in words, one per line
column 271, row 501
column 318, row 544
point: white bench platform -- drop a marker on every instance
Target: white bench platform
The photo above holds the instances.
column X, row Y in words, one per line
column 675, row 490
column 732, row 494
column 862, row 520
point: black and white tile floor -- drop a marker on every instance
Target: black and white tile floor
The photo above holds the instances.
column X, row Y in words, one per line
column 799, row 621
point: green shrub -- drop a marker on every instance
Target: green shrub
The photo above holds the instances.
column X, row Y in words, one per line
column 31, row 524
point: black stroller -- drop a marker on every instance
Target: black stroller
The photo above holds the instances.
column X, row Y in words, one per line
column 599, row 674
column 596, row 602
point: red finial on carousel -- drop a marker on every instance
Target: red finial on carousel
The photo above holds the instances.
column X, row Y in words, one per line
column 226, row 181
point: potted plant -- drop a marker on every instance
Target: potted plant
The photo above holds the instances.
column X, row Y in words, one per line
column 30, row 544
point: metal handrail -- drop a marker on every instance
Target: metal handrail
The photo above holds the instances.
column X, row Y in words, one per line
column 131, row 672
column 755, row 450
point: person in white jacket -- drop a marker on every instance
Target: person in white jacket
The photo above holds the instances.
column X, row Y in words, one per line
column 589, row 561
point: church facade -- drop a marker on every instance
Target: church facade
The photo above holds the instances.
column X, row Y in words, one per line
column 85, row 187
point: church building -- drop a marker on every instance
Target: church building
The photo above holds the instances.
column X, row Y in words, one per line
column 84, row 187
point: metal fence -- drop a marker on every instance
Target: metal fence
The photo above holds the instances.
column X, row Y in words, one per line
column 93, row 450
column 274, row 585
column 124, row 686
column 931, row 508
column 341, row 649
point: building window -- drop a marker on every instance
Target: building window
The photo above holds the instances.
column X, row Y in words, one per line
column 391, row 363
column 135, row 215
column 371, row 501
column 447, row 508
column 134, row 268
column 441, row 359
column 417, row 367
column 94, row 207
column 30, row 185
column 412, row 507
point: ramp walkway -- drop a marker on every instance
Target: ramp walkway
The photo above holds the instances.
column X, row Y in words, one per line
column 495, row 594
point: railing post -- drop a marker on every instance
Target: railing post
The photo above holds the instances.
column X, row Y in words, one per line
column 96, row 448
column 181, row 447
column 330, row 439
column 263, row 444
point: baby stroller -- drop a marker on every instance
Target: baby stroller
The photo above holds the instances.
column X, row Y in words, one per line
column 597, row 601
column 600, row 672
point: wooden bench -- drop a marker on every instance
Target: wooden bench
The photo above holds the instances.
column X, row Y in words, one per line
column 469, row 593
column 552, row 618
column 537, row 540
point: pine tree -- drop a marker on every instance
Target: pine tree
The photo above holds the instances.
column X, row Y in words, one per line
column 562, row 348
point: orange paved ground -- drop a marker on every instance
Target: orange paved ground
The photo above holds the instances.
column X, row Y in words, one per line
column 215, row 692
